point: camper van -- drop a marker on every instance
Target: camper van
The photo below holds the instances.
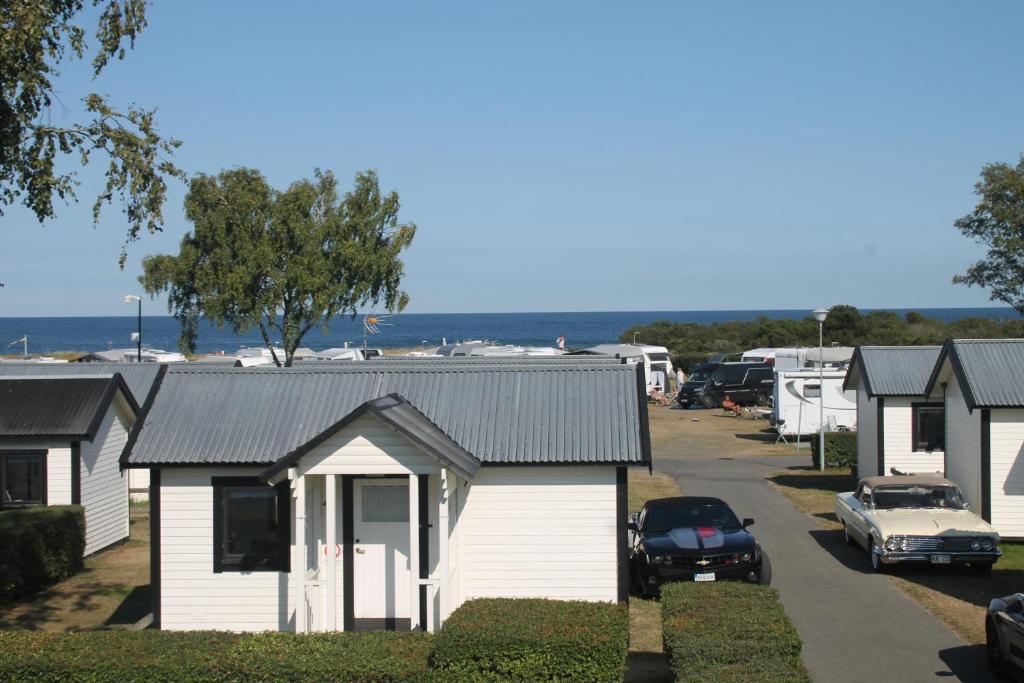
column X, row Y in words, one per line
column 656, row 359
column 744, row 383
column 798, row 401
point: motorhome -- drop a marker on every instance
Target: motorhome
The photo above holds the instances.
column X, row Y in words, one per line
column 798, row 400
column 656, row 360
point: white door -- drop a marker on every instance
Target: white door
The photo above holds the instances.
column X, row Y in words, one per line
column 381, row 572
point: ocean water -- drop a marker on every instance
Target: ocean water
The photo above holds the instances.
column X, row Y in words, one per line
column 407, row 330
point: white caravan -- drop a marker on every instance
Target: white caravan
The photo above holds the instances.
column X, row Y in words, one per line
column 656, row 359
column 797, row 401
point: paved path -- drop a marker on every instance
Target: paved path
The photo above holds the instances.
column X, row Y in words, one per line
column 856, row 626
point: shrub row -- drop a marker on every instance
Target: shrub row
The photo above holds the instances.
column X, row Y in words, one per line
column 532, row 640
column 840, row 449
column 729, row 633
column 143, row 656
column 41, row 545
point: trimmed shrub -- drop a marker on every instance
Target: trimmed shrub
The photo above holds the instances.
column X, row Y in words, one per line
column 532, row 640
column 729, row 632
column 41, row 546
column 143, row 656
column 840, row 449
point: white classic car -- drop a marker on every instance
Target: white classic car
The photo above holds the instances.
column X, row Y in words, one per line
column 916, row 518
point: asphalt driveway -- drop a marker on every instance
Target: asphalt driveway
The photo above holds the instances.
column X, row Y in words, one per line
column 856, row 626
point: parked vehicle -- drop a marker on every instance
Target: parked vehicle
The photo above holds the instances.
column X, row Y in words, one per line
column 1004, row 636
column 657, row 361
column 797, row 401
column 916, row 518
column 743, row 383
column 692, row 538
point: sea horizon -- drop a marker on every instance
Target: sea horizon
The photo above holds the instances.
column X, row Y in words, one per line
column 50, row 334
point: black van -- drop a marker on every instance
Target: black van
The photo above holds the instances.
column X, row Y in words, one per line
column 743, row 383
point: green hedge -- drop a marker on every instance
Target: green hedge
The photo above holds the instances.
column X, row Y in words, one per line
column 143, row 656
column 41, row 545
column 729, row 632
column 840, row 449
column 532, row 640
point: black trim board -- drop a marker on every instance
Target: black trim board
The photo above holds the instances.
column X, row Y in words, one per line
column 76, row 472
column 154, row 545
column 645, row 425
column 986, row 465
column 880, row 435
column 348, row 607
column 945, row 433
column 621, row 515
column 423, row 485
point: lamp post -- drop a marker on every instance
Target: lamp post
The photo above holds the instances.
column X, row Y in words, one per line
column 820, row 316
column 129, row 298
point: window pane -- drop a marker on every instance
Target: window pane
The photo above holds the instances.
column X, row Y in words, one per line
column 931, row 429
column 251, row 526
column 385, row 503
column 23, row 479
column 812, row 391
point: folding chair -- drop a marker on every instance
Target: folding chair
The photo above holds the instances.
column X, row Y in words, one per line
column 778, row 428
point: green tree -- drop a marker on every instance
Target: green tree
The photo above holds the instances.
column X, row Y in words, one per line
column 282, row 262
column 997, row 222
column 844, row 324
column 37, row 37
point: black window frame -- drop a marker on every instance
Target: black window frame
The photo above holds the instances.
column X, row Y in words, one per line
column 224, row 563
column 915, row 432
column 21, row 452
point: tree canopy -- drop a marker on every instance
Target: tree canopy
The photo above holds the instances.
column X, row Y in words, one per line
column 997, row 222
column 37, row 37
column 282, row 262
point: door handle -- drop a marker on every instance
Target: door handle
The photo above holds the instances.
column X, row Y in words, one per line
column 361, row 551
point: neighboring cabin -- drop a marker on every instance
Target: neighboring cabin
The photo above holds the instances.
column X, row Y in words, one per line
column 382, row 495
column 898, row 427
column 60, row 444
column 981, row 384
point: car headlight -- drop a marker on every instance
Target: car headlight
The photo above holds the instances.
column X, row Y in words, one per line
column 975, row 545
column 986, row 544
column 893, row 543
column 661, row 559
column 745, row 557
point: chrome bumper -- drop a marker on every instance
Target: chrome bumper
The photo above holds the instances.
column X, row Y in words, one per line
column 894, row 556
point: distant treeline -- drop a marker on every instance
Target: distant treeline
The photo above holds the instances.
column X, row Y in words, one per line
column 692, row 343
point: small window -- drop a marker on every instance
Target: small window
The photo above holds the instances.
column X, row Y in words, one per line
column 812, row 391
column 385, row 504
column 22, row 478
column 251, row 525
column 929, row 423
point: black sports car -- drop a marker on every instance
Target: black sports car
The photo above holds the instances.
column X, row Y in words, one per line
column 692, row 539
column 1004, row 637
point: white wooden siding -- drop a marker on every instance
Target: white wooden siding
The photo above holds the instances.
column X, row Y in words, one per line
column 104, row 485
column 963, row 445
column 867, row 433
column 138, row 478
column 1007, row 467
column 899, row 446
column 192, row 595
column 546, row 532
column 367, row 446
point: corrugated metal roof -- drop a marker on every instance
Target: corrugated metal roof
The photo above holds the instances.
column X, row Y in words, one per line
column 499, row 413
column 894, row 370
column 991, row 369
column 138, row 376
column 70, row 407
column 444, row 361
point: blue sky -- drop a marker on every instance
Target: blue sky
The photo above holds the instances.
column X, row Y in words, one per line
column 581, row 155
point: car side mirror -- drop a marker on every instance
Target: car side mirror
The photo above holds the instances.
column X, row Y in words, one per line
column 747, row 521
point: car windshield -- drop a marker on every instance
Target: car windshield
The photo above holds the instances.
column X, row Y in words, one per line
column 698, row 378
column 691, row 516
column 916, row 497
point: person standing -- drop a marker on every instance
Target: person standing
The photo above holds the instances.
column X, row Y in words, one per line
column 560, row 343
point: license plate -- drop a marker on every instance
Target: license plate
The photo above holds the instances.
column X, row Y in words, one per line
column 940, row 559
column 707, row 576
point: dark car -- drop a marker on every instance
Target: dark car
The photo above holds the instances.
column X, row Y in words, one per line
column 692, row 391
column 1004, row 636
column 692, row 538
column 743, row 383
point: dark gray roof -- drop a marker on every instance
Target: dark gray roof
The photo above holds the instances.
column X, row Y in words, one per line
column 892, row 370
column 990, row 371
column 138, row 376
column 69, row 408
column 402, row 416
column 444, row 361
column 498, row 413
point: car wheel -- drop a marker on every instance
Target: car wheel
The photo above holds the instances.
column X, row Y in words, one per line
column 981, row 568
column 761, row 399
column 709, row 401
column 764, row 576
column 846, row 535
column 996, row 659
column 876, row 560
column 638, row 579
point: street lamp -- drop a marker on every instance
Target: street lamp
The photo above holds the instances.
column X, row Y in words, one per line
column 129, row 298
column 820, row 316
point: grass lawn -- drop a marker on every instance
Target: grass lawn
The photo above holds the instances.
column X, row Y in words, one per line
column 712, row 433
column 955, row 595
column 112, row 591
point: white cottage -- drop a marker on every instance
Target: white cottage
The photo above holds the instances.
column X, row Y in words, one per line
column 981, row 384
column 898, row 427
column 60, row 444
column 384, row 494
